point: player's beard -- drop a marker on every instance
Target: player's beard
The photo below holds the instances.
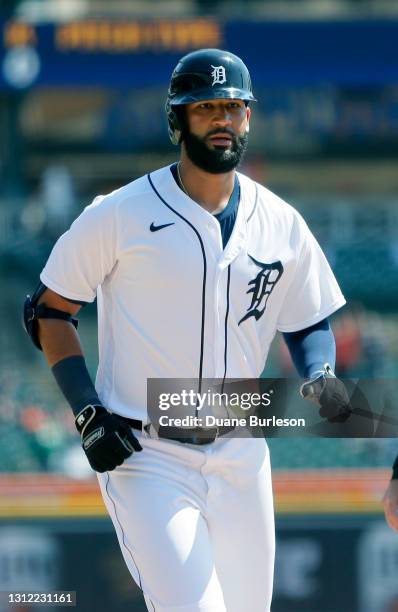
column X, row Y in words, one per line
column 219, row 159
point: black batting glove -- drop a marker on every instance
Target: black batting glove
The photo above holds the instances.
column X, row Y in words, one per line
column 107, row 440
column 330, row 394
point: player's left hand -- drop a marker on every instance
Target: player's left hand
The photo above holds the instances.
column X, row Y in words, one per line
column 330, row 394
column 390, row 504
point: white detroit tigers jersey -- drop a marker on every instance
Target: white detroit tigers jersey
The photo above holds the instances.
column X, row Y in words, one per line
column 172, row 303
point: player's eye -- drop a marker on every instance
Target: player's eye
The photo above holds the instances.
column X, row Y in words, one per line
column 235, row 105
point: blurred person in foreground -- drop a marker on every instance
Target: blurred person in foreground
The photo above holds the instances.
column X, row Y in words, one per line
column 390, row 499
column 195, row 267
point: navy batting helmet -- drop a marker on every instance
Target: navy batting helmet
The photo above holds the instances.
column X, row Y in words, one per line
column 207, row 74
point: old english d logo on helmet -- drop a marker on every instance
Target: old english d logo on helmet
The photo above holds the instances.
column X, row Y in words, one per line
column 218, row 75
column 207, row 74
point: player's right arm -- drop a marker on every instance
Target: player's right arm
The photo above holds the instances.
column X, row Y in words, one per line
column 106, row 439
column 80, row 261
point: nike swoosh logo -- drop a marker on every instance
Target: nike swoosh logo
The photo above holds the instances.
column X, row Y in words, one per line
column 156, row 228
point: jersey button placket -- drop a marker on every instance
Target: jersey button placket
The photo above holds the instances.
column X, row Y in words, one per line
column 214, row 246
column 219, row 314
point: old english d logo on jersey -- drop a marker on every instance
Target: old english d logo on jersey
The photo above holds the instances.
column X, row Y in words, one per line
column 261, row 287
column 218, row 74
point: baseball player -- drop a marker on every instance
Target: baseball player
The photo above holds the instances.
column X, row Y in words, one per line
column 194, row 267
column 390, row 500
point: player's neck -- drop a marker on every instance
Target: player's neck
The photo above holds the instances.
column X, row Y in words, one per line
column 211, row 191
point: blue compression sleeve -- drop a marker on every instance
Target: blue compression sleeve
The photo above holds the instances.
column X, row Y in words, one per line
column 75, row 383
column 311, row 348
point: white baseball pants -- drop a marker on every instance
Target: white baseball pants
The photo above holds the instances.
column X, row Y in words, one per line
column 196, row 524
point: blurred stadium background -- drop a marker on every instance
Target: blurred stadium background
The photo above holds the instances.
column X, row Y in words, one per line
column 82, row 89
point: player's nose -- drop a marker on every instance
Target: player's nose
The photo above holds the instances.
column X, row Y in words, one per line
column 222, row 117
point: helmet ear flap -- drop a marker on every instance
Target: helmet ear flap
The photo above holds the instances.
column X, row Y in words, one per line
column 175, row 128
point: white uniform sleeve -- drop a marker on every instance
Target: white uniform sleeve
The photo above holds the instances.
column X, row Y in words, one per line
column 313, row 293
column 85, row 254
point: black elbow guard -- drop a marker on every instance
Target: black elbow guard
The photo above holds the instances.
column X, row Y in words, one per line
column 32, row 312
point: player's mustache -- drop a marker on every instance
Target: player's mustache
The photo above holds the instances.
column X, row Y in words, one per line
column 227, row 131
